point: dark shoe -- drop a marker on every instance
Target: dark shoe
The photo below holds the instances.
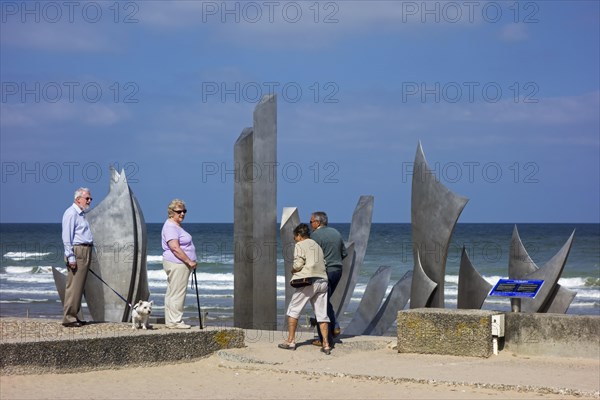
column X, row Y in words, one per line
column 75, row 324
column 326, row 350
column 317, row 343
column 287, row 346
column 82, row 322
column 337, row 331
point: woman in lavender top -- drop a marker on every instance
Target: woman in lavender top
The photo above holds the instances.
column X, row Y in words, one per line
column 179, row 259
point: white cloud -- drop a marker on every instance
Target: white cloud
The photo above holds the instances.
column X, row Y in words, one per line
column 514, row 33
column 24, row 115
column 58, row 37
column 358, row 120
column 304, row 25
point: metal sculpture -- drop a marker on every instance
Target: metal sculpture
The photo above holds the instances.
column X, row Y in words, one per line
column 370, row 302
column 360, row 230
column 434, row 213
column 255, row 220
column 243, row 289
column 388, row 312
column 551, row 297
column 342, row 292
column 119, row 257
column 421, row 297
column 472, row 287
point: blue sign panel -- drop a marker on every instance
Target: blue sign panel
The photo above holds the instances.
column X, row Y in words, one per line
column 517, row 288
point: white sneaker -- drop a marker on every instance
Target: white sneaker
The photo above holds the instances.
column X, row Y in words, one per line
column 180, row 325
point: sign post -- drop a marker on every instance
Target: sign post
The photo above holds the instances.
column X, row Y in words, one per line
column 516, row 289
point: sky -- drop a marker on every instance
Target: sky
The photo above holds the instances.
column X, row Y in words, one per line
column 504, row 97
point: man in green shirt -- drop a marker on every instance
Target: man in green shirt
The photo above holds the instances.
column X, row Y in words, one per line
column 334, row 251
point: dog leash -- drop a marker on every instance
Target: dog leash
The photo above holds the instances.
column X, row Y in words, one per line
column 108, row 286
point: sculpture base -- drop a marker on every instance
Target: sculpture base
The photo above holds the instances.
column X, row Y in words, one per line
column 37, row 346
column 447, row 332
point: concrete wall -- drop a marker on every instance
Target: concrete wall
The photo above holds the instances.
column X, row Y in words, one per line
column 553, row 334
column 445, row 331
column 100, row 351
column 468, row 333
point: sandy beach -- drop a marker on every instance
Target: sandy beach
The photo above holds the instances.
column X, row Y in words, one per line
column 358, row 368
column 210, row 378
column 213, row 378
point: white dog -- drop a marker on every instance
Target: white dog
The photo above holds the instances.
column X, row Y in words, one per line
column 140, row 314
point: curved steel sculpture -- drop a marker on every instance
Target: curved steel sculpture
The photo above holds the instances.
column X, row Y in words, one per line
column 370, row 302
column 551, row 297
column 342, row 294
column 473, row 289
column 119, row 257
column 421, row 298
column 140, row 280
column 434, row 213
column 388, row 312
column 360, row 230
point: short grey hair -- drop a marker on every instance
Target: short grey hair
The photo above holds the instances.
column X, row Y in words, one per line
column 320, row 216
column 79, row 192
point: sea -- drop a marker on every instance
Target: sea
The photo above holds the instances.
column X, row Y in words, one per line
column 29, row 251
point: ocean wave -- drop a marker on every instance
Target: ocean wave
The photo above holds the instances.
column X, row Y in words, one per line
column 41, row 269
column 492, row 280
column 592, row 304
column 497, row 300
column 33, row 279
column 160, row 275
column 576, row 282
column 216, row 259
column 23, row 301
column 154, row 259
column 592, row 282
column 587, row 294
column 23, row 255
column 30, row 292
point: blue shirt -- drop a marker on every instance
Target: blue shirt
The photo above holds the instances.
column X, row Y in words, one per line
column 75, row 230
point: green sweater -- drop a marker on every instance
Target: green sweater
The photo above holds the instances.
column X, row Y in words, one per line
column 332, row 244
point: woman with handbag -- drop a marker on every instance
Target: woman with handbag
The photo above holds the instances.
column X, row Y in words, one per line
column 309, row 277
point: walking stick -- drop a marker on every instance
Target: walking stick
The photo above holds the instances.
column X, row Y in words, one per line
column 195, row 279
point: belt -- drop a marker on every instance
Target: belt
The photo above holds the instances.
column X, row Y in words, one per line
column 84, row 244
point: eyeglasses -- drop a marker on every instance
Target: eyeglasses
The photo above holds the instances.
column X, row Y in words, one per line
column 86, row 198
column 180, row 211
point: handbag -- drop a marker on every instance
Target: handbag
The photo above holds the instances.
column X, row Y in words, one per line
column 301, row 282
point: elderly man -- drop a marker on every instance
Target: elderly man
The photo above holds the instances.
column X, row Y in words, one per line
column 334, row 251
column 78, row 242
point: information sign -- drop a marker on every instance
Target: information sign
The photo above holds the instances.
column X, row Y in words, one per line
column 517, row 288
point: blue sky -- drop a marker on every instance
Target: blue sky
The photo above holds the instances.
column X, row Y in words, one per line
column 503, row 95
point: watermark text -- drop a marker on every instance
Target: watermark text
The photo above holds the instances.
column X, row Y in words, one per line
column 53, row 12
column 53, row 92
column 252, row 92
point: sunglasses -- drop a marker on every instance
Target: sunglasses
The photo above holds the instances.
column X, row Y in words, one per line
column 86, row 198
column 180, row 211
